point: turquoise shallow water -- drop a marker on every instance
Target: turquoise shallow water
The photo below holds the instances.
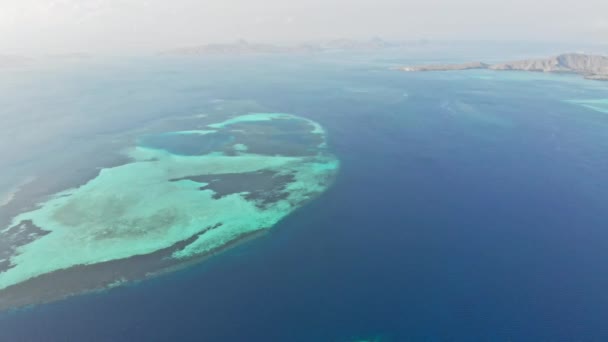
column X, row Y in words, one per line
column 600, row 105
column 471, row 209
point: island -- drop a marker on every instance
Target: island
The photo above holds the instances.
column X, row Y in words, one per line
column 7, row 61
column 593, row 67
column 243, row 47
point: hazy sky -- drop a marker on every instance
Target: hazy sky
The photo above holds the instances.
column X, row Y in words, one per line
column 56, row 26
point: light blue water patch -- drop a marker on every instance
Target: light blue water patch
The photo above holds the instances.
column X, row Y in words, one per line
column 600, row 105
column 254, row 117
column 473, row 114
column 513, row 76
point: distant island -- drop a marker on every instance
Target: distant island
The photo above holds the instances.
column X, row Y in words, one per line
column 243, row 47
column 12, row 60
column 592, row 67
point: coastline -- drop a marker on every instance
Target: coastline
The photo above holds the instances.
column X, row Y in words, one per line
column 591, row 67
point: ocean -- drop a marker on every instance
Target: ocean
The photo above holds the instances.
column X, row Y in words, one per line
column 469, row 206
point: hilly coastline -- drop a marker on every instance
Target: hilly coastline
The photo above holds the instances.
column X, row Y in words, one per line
column 593, row 67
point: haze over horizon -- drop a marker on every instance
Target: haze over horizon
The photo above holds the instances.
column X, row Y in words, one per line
column 131, row 26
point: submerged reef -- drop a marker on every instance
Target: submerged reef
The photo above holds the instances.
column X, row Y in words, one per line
column 183, row 195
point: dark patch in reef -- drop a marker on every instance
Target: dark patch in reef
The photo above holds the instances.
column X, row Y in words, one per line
column 16, row 236
column 86, row 278
column 264, row 187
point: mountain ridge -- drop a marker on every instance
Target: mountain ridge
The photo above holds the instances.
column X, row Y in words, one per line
column 243, row 47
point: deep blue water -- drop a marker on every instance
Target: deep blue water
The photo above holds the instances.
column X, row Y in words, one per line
column 472, row 209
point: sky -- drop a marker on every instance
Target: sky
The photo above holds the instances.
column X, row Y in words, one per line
column 115, row 26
